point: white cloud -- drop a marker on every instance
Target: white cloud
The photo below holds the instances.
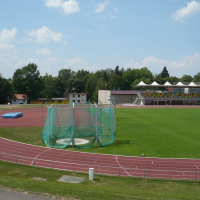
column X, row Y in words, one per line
column 53, row 3
column 116, row 10
column 77, row 63
column 104, row 26
column 43, row 52
column 69, row 7
column 45, row 35
column 4, row 46
column 113, row 16
column 187, row 65
column 6, row 35
column 191, row 8
column 101, row 7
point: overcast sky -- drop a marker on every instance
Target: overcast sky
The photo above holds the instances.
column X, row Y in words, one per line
column 95, row 34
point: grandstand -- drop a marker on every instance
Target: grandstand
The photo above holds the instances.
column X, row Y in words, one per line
column 177, row 94
column 79, row 125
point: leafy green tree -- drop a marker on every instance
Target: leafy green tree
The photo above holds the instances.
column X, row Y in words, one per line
column 173, row 79
column 128, row 79
column 5, row 90
column 159, row 79
column 197, row 77
column 143, row 73
column 88, row 90
column 115, row 81
column 186, row 78
column 50, row 87
column 164, row 73
column 75, row 85
column 27, row 80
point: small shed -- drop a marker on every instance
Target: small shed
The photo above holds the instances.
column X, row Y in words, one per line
column 18, row 99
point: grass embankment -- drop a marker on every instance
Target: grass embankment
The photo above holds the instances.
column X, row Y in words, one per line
column 103, row 187
column 156, row 132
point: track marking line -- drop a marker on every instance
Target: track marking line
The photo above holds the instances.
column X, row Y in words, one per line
column 136, row 167
column 152, row 162
column 122, row 167
column 196, row 167
column 95, row 161
column 39, row 155
column 183, row 173
column 62, row 154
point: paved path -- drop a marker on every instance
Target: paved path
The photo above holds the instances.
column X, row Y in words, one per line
column 7, row 193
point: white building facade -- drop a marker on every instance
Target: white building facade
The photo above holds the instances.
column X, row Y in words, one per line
column 78, row 97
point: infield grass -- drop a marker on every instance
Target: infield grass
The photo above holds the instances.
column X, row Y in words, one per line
column 155, row 132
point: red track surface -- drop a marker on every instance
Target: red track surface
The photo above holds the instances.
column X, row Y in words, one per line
column 104, row 164
column 31, row 118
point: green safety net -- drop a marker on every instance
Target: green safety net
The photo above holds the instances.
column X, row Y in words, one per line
column 79, row 125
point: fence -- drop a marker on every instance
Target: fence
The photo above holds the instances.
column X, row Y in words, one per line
column 108, row 170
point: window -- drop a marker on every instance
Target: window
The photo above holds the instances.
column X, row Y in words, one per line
column 73, row 95
column 23, row 100
column 14, row 100
column 79, row 95
column 74, row 101
column 78, row 101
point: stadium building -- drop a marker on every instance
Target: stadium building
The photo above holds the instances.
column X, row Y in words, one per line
column 185, row 93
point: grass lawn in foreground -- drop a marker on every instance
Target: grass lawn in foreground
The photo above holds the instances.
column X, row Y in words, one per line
column 103, row 187
column 156, row 132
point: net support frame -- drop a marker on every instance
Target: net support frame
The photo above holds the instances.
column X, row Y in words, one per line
column 96, row 124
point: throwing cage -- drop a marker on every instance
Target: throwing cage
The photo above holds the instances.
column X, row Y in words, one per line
column 79, row 125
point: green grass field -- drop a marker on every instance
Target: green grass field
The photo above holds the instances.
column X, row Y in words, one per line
column 156, row 132
column 102, row 188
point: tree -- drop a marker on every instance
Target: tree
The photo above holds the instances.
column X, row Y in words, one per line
column 128, row 78
column 5, row 90
column 115, row 81
column 173, row 79
column 88, row 90
column 164, row 73
column 27, row 80
column 186, row 78
column 143, row 73
column 50, row 87
column 197, row 77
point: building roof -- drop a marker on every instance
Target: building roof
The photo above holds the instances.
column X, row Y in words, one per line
column 18, row 96
column 77, row 93
column 115, row 92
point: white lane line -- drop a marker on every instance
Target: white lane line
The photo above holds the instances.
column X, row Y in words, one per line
column 152, row 162
column 39, row 155
column 196, row 167
column 122, row 167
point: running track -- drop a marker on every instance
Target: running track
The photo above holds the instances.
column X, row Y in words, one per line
column 105, row 164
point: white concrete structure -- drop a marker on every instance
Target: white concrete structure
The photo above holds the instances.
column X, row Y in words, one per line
column 78, row 97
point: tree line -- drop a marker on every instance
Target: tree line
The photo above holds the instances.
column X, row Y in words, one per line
column 27, row 80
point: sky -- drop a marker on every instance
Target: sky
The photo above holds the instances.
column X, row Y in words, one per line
column 95, row 34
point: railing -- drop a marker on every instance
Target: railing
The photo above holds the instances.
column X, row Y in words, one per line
column 108, row 170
